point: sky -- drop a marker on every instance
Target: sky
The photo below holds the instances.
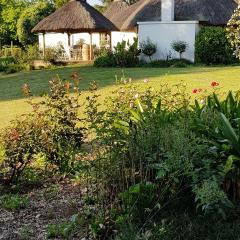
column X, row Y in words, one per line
column 93, row 2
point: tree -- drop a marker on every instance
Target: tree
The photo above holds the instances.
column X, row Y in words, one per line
column 105, row 3
column 148, row 48
column 233, row 32
column 10, row 11
column 59, row 3
column 29, row 18
column 180, row 47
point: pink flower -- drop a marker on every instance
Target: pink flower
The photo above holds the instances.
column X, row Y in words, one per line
column 214, row 84
column 14, row 135
column 67, row 85
column 145, row 80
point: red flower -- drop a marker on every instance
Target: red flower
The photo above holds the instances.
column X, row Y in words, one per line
column 195, row 90
column 214, row 84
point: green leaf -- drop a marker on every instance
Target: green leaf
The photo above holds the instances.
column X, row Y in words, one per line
column 2, row 154
column 136, row 116
column 229, row 133
column 139, row 105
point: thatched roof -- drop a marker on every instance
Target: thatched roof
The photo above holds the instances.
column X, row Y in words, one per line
column 74, row 17
column 213, row 12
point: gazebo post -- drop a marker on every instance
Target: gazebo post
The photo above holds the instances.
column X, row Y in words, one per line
column 44, row 45
column 69, row 39
column 91, row 48
column 110, row 40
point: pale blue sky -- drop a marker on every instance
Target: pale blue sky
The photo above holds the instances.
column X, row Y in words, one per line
column 92, row 2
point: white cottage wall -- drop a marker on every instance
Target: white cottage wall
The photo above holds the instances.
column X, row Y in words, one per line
column 122, row 36
column 53, row 39
column 164, row 33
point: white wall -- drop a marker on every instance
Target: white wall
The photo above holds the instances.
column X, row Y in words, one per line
column 122, row 36
column 164, row 33
column 53, row 39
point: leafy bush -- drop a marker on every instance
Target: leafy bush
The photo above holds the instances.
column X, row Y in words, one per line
column 213, row 47
column 105, row 60
column 160, row 154
column 13, row 68
column 168, row 63
column 180, row 47
column 233, row 28
column 51, row 129
column 148, row 48
column 5, row 62
column 124, row 55
column 30, row 53
column 8, row 51
column 62, row 134
column 20, row 144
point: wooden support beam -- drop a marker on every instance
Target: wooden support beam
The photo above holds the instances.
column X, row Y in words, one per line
column 44, row 45
column 69, row 39
column 91, row 48
column 110, row 40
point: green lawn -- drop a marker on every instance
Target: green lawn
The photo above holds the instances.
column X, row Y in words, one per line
column 12, row 102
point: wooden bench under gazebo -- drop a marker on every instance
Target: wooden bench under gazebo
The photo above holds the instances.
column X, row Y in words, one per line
column 76, row 16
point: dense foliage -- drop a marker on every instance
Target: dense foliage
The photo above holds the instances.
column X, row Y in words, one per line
column 29, row 18
column 180, row 47
column 161, row 156
column 233, row 30
column 10, row 11
column 155, row 164
column 51, row 131
column 213, row 47
column 148, row 48
column 18, row 16
column 123, row 55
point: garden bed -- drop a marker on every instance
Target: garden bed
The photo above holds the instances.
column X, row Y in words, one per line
column 53, row 203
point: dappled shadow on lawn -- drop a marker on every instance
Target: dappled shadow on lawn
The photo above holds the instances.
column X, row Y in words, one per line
column 10, row 85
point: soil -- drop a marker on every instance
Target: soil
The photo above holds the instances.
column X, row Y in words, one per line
column 49, row 204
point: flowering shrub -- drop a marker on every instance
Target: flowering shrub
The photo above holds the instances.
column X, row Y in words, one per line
column 158, row 141
column 21, row 143
column 51, row 129
column 233, row 29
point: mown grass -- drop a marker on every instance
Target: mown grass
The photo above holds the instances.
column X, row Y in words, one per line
column 12, row 102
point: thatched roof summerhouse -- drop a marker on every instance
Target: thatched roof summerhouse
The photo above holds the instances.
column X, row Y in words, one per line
column 76, row 16
column 212, row 12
